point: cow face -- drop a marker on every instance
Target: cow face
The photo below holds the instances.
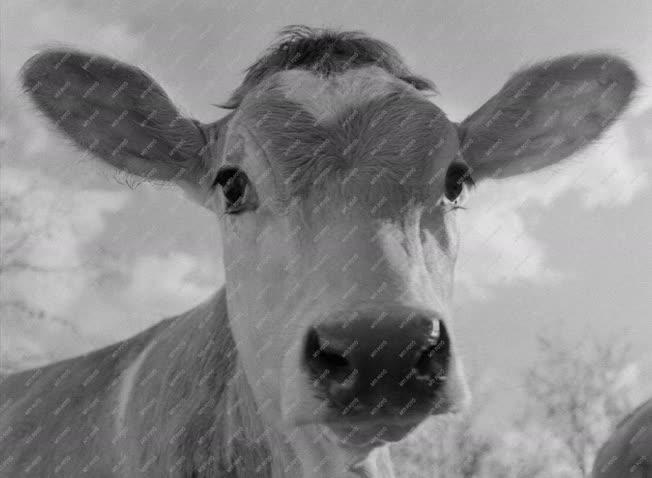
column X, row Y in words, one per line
column 337, row 182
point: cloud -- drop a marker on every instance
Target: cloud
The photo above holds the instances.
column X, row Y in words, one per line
column 497, row 249
column 171, row 284
column 498, row 245
column 49, row 191
column 27, row 27
column 45, row 226
column 71, row 298
column 130, row 295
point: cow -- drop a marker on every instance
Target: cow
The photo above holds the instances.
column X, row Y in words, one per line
column 336, row 182
column 627, row 453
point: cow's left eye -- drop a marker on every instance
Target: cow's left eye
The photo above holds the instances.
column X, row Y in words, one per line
column 237, row 189
column 458, row 181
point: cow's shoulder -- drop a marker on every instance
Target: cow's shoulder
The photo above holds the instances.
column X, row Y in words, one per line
column 51, row 414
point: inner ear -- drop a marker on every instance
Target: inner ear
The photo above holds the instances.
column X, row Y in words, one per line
column 117, row 112
column 546, row 113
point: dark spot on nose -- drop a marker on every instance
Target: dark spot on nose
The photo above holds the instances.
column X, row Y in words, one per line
column 431, row 363
column 323, row 360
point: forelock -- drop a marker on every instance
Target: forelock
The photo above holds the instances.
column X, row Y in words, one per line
column 324, row 52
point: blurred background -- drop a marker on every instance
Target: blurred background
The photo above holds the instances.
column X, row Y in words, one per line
column 554, row 284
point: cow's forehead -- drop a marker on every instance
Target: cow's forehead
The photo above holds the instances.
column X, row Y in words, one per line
column 330, row 98
column 363, row 120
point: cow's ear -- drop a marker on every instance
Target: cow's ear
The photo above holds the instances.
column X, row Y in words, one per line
column 118, row 112
column 546, row 113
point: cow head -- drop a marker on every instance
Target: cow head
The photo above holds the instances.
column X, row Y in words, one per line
column 337, row 183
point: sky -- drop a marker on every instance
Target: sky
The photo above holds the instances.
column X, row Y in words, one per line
column 564, row 251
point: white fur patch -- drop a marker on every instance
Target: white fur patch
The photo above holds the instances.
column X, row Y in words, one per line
column 128, row 380
column 326, row 98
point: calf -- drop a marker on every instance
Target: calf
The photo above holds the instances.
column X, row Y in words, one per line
column 336, row 182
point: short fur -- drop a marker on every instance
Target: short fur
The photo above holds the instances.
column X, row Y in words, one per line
column 388, row 141
column 83, row 94
column 190, row 412
column 545, row 112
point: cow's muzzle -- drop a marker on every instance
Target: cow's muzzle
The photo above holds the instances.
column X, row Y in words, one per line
column 388, row 366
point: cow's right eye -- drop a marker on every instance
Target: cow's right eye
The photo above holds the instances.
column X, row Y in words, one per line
column 236, row 188
column 458, row 176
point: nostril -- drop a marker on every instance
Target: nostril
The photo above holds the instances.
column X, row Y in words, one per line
column 323, row 361
column 431, row 364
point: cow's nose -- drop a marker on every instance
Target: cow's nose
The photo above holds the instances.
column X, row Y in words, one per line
column 375, row 363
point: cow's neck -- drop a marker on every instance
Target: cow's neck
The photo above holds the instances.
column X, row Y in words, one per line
column 212, row 415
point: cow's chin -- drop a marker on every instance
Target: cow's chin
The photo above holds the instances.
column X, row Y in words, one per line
column 369, row 435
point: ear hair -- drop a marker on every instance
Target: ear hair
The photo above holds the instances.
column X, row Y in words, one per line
column 116, row 111
column 545, row 113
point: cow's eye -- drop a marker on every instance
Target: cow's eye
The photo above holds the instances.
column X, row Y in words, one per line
column 458, row 181
column 238, row 191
